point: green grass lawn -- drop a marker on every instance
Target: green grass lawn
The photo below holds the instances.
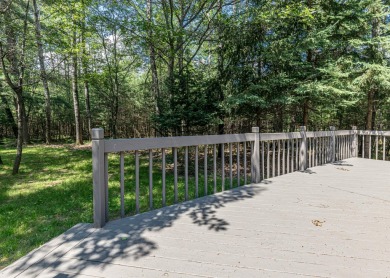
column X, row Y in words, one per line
column 53, row 192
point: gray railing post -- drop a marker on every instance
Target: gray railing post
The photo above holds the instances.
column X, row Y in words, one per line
column 333, row 143
column 255, row 158
column 98, row 167
column 354, row 141
column 303, row 150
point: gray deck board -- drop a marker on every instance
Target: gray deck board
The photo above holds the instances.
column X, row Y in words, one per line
column 262, row 230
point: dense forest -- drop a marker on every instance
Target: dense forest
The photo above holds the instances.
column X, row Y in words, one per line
column 171, row 68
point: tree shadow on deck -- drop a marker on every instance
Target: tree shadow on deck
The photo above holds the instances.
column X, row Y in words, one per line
column 128, row 240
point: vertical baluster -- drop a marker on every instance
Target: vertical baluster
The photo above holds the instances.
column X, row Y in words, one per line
column 297, row 142
column 273, row 159
column 245, row 174
column 284, row 157
column 384, row 147
column 196, row 171
column 231, row 165
column 369, row 149
column 175, row 173
column 262, row 159
column 292, row 155
column 322, row 151
column 251, row 155
column 163, row 177
column 223, row 165
column 215, row 168
column 288, row 156
column 268, row 158
column 319, row 150
column 363, row 146
column 122, row 183
column 150, row 179
column 136, row 181
column 309, row 150
column 376, row 147
column 205, row 170
column 344, row 148
column 339, row 148
column 278, row 157
column 106, row 183
column 313, row 159
column 186, row 173
column 238, row 164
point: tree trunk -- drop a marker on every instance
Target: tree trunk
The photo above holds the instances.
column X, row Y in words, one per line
column 43, row 73
column 84, row 62
column 19, row 140
column 369, row 120
column 306, row 113
column 10, row 117
column 153, row 65
column 75, row 91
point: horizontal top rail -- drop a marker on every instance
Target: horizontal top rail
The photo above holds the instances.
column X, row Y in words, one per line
column 374, row 132
column 120, row 145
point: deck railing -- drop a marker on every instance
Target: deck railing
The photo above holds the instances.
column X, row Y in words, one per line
column 228, row 160
column 373, row 144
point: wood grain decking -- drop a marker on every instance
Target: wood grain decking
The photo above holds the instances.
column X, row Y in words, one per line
column 331, row 221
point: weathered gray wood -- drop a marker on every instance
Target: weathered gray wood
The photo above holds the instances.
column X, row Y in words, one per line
column 297, row 146
column 205, row 170
column 196, row 171
column 369, row 149
column 186, row 173
column 122, row 182
column 175, row 174
column 106, row 185
column 150, row 179
column 200, row 239
column 263, row 160
column 376, row 147
column 223, row 166
column 343, row 132
column 288, row 156
column 278, row 157
column 268, row 159
column 373, row 132
column 323, row 150
column 355, row 142
column 238, row 165
column 278, row 136
column 118, row 145
column 273, row 159
column 245, row 168
column 98, row 168
column 163, row 177
column 136, row 181
column 332, row 144
column 363, row 146
column 303, row 150
column 215, row 168
column 384, row 148
column 255, row 158
column 284, row 157
column 230, row 165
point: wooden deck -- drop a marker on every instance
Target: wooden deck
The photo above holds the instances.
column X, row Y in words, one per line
column 331, row 221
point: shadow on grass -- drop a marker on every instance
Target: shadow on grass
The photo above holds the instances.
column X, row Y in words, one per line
column 127, row 240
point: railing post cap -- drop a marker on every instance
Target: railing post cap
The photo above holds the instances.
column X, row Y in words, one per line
column 332, row 128
column 302, row 128
column 354, row 127
column 255, row 129
column 97, row 133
